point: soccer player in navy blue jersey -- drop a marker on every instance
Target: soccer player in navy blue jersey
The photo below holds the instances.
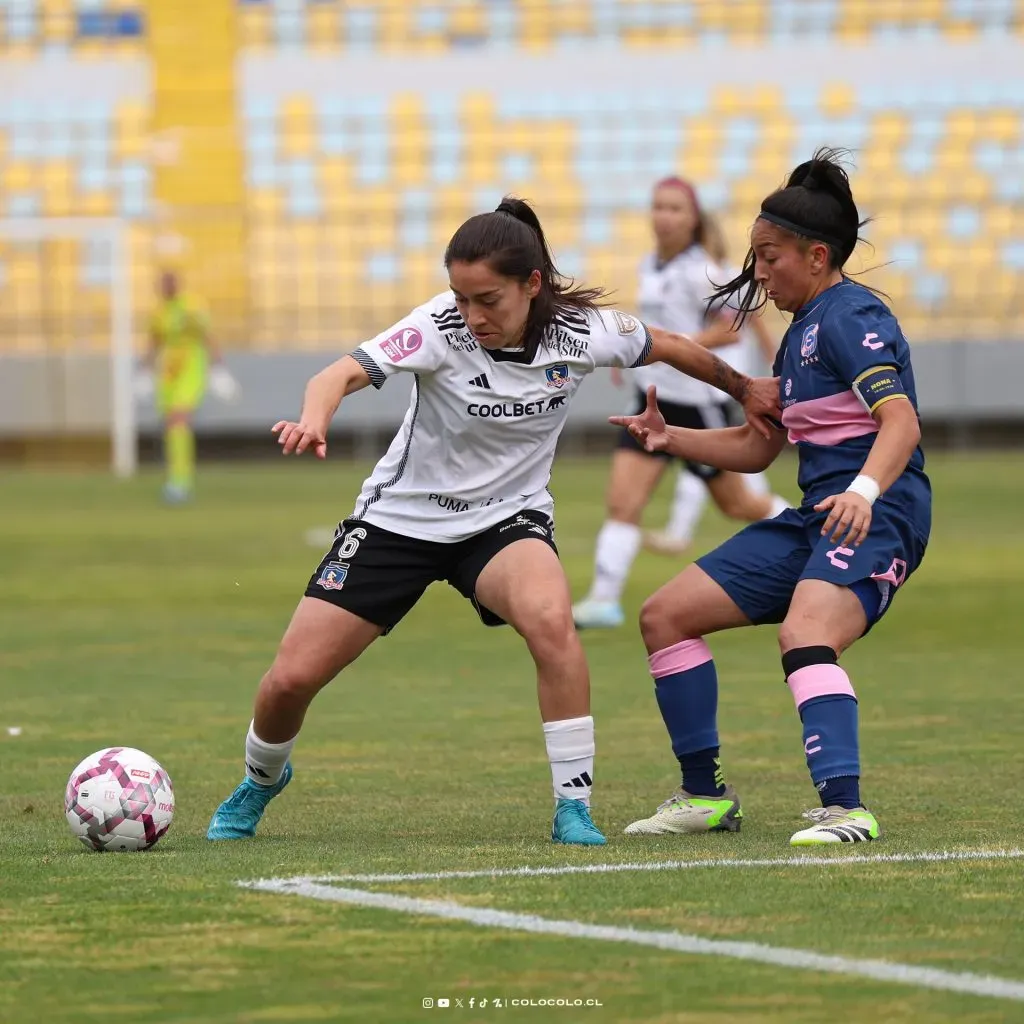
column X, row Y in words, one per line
column 828, row 570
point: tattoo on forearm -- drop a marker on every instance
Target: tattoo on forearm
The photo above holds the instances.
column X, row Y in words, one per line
column 734, row 384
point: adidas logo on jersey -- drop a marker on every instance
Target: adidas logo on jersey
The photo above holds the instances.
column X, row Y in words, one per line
column 480, row 382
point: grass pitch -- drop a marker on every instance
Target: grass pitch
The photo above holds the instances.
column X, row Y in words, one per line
column 124, row 622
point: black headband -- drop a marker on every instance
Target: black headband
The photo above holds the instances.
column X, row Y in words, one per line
column 818, row 236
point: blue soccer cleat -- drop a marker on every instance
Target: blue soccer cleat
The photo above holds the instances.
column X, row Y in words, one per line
column 572, row 824
column 239, row 815
column 176, row 494
column 590, row 614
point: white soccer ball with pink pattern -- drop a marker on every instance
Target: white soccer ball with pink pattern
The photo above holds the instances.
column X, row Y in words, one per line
column 119, row 799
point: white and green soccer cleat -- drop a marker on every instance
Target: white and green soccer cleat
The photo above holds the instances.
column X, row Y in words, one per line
column 684, row 813
column 837, row 825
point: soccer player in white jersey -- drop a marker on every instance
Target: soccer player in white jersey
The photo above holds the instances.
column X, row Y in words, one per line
column 675, row 281
column 461, row 494
column 755, row 340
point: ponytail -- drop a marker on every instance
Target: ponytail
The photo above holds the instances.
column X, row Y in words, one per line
column 512, row 241
column 817, row 205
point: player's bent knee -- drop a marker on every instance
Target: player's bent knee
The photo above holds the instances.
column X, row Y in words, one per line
column 656, row 622
column 801, row 631
column 292, row 679
column 547, row 628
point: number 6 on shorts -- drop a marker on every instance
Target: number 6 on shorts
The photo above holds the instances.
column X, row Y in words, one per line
column 350, row 543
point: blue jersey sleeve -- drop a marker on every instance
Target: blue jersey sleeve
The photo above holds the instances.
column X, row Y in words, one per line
column 862, row 345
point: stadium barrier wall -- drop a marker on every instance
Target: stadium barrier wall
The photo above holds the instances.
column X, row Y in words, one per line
column 69, row 395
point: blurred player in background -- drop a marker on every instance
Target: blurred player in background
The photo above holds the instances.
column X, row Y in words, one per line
column 755, row 344
column 180, row 355
column 675, row 281
column 462, row 494
column 826, row 571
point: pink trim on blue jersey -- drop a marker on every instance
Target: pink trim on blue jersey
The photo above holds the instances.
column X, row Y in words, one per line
column 828, row 420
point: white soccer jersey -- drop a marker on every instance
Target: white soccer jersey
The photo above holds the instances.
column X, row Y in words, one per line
column 477, row 443
column 673, row 296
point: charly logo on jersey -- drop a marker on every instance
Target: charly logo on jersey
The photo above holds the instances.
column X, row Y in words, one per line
column 789, row 386
column 402, row 344
column 557, row 376
column 809, row 342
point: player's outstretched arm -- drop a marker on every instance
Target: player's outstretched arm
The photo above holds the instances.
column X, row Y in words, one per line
column 324, row 393
column 759, row 397
column 739, row 449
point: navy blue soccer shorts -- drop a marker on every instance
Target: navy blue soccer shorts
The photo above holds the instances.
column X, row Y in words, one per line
column 761, row 565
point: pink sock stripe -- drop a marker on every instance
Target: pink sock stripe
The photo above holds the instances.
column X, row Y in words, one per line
column 679, row 657
column 819, row 681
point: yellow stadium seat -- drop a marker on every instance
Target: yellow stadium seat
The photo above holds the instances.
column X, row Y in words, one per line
column 57, row 190
column 322, row 26
column 837, row 99
column 17, row 176
column 265, row 202
column 254, row 25
column 395, row 26
column 573, row 17
column 730, row 100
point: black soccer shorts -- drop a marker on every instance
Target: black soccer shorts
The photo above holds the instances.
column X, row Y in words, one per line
column 379, row 575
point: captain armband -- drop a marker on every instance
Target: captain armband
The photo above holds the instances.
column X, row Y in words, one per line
column 877, row 386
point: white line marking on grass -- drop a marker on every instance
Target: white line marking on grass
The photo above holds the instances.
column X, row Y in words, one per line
column 778, row 956
column 803, row 861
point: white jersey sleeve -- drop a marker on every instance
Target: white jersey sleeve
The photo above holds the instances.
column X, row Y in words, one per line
column 414, row 344
column 618, row 339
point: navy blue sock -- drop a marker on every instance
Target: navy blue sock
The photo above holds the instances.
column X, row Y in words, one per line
column 686, row 685
column 702, row 772
column 828, row 711
column 831, row 747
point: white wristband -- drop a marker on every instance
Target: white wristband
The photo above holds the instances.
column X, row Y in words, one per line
column 867, row 487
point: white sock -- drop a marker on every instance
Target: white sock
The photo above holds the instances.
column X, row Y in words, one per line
column 570, row 746
column 617, row 545
column 779, row 505
column 687, row 507
column 758, row 483
column 264, row 762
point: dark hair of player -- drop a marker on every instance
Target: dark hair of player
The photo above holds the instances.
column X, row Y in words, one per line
column 512, row 242
column 815, row 205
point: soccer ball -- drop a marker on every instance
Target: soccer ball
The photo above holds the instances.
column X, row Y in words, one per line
column 119, row 799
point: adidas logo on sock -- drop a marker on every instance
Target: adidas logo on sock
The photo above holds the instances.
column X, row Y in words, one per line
column 480, row 382
column 580, row 782
column 253, row 770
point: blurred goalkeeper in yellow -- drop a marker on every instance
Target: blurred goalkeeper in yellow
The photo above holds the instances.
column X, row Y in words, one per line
column 181, row 353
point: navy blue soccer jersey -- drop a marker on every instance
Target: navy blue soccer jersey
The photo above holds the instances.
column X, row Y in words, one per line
column 842, row 357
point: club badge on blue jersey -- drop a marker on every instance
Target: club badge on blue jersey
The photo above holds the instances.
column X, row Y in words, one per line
column 332, row 576
column 809, row 342
column 557, row 375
